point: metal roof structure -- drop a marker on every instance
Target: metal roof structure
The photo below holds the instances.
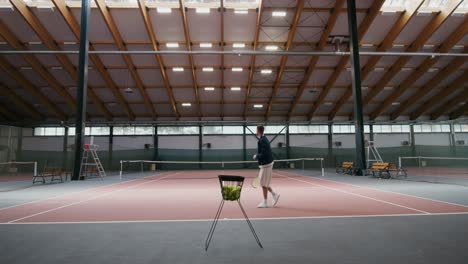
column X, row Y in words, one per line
column 227, row 86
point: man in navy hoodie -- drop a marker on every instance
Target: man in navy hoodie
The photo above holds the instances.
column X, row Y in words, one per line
column 264, row 157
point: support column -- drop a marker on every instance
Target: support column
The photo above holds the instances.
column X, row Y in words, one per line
column 19, row 146
column 331, row 160
column 155, row 144
column 111, row 148
column 288, row 150
column 81, row 88
column 453, row 140
column 65, row 150
column 371, row 132
column 244, row 143
column 412, row 141
column 356, row 82
column 200, row 145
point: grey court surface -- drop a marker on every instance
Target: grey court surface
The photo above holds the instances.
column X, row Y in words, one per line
column 389, row 239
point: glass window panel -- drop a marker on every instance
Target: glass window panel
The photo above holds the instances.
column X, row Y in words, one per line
column 396, row 129
column 39, row 131
column 60, row 131
column 314, row 129
column 118, row 131
column 366, row 129
column 436, row 128
column 445, row 128
column 352, row 129
column 464, row 128
column 212, row 130
column 274, row 129
column 233, row 130
column 71, row 131
column 377, row 129
column 144, row 130
column 425, row 128
column 386, row 129
column 336, row 129
column 50, row 131
column 405, row 128
column 417, row 128
column 324, row 129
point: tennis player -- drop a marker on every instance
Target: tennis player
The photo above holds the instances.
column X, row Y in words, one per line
column 264, row 157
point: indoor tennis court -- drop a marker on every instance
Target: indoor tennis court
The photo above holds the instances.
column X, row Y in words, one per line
column 233, row 131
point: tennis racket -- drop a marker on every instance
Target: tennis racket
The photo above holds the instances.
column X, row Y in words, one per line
column 256, row 182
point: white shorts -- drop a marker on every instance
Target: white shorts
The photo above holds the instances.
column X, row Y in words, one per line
column 265, row 174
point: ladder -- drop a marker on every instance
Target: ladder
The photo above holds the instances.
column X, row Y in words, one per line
column 90, row 163
column 373, row 154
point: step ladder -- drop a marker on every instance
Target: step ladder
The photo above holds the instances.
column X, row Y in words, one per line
column 373, row 154
column 91, row 164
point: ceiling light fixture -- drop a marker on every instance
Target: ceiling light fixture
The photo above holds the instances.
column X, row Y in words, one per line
column 238, row 45
column 209, row 88
column 279, row 13
column 206, row 45
column 207, row 69
column 241, row 11
column 235, row 88
column 164, row 10
column 202, row 10
column 177, row 69
column 271, row 47
column 172, row 45
column 186, row 104
column 258, row 106
column 237, row 69
column 266, row 71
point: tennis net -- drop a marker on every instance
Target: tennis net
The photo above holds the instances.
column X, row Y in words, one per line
column 17, row 171
column 132, row 168
column 436, row 168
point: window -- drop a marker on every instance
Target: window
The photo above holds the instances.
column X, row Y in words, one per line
column 190, row 130
column 223, row 130
column 308, row 129
column 343, row 129
column 133, row 131
column 49, row 131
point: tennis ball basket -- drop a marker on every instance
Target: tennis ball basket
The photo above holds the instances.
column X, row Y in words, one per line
column 231, row 189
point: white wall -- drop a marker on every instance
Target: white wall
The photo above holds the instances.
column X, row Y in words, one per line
column 43, row 143
column 462, row 136
column 441, row 139
column 224, row 141
column 309, row 141
column 128, row 142
column 178, row 142
column 390, row 140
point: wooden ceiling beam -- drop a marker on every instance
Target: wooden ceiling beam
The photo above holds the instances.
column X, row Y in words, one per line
column 284, row 59
column 439, row 97
column 411, row 10
column 110, row 23
column 159, row 59
column 190, row 56
column 34, row 91
column 253, row 58
column 20, row 102
column 70, row 20
column 451, row 104
column 459, row 111
column 334, row 13
column 362, row 30
column 49, row 41
column 418, row 43
column 454, row 65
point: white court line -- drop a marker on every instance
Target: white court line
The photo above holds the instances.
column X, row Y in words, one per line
column 358, row 195
column 92, row 198
column 376, row 189
column 234, row 219
column 72, row 193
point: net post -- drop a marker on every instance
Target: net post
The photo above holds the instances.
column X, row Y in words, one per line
column 303, row 167
column 121, row 167
column 141, row 166
column 399, row 162
column 419, row 161
column 35, row 168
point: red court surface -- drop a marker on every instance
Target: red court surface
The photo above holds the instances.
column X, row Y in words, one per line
column 187, row 195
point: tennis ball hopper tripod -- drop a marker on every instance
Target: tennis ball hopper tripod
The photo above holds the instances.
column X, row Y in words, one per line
column 231, row 187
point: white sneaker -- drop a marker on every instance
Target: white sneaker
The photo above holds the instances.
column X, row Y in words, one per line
column 263, row 204
column 275, row 198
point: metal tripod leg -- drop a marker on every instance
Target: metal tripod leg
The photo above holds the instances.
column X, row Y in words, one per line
column 250, row 224
column 213, row 225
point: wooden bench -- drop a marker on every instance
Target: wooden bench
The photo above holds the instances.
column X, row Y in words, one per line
column 346, row 167
column 381, row 170
column 55, row 174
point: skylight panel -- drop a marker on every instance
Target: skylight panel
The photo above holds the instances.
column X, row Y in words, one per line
column 242, row 4
column 202, row 3
column 122, row 3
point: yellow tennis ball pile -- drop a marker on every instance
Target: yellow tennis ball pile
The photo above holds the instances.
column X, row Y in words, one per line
column 231, row 193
